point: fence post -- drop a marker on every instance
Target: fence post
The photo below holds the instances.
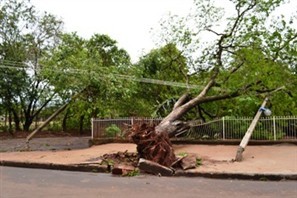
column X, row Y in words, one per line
column 224, row 137
column 92, row 127
column 274, row 128
column 132, row 121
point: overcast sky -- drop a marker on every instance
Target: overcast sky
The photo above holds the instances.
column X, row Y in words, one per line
column 127, row 21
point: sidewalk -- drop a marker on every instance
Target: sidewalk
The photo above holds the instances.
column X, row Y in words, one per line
column 273, row 162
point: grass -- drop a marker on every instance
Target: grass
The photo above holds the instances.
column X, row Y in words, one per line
column 198, row 161
column 182, row 154
column 108, row 162
column 133, row 173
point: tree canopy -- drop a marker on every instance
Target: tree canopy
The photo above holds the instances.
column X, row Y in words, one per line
column 246, row 53
column 210, row 55
column 25, row 37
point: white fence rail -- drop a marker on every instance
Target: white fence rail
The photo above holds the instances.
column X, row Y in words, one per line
column 117, row 127
column 226, row 128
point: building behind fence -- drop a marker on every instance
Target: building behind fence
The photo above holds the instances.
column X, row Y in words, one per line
column 226, row 128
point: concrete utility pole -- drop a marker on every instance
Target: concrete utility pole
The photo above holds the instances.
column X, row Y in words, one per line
column 30, row 136
column 251, row 128
column 249, row 132
column 47, row 121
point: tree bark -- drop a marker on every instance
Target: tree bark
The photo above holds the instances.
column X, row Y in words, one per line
column 81, row 124
column 10, row 123
column 16, row 120
column 64, row 121
column 27, row 124
column 170, row 123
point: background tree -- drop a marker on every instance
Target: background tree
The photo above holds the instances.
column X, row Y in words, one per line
column 25, row 38
column 95, row 66
column 165, row 64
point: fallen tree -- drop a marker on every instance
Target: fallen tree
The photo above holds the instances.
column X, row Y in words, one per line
column 236, row 52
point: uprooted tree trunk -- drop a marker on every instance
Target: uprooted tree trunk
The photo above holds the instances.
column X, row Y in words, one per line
column 153, row 142
column 171, row 123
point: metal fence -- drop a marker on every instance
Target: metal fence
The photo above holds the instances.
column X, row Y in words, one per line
column 117, row 127
column 226, row 128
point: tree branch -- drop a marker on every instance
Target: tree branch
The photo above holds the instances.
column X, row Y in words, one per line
column 44, row 104
column 234, row 69
column 202, row 94
column 181, row 101
column 283, row 46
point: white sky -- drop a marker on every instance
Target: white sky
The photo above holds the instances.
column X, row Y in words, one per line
column 127, row 21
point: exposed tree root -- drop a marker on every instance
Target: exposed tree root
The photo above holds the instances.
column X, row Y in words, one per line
column 152, row 146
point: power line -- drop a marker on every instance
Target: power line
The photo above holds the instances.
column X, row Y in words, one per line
column 12, row 67
column 13, row 63
column 156, row 81
column 17, row 65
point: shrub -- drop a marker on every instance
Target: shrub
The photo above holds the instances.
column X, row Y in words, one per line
column 112, row 131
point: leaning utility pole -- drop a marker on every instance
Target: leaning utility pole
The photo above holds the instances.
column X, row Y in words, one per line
column 29, row 137
column 251, row 128
column 249, row 132
column 61, row 109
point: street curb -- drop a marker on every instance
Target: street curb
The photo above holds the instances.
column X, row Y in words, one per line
column 241, row 176
column 52, row 166
column 106, row 169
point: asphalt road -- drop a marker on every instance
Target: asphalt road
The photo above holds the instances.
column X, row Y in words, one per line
column 25, row 183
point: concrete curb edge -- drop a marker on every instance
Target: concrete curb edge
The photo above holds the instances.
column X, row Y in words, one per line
column 66, row 167
column 107, row 169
